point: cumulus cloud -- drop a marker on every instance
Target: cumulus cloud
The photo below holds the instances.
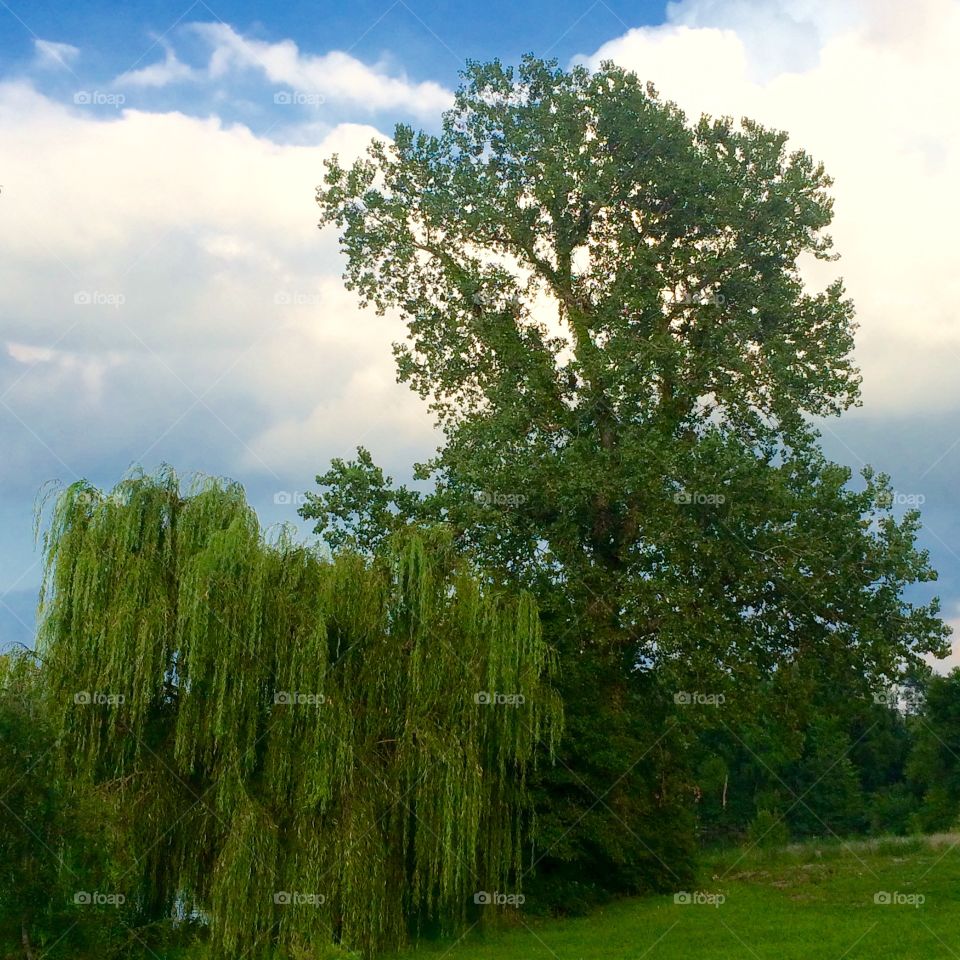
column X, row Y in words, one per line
column 779, row 35
column 167, row 296
column 334, row 77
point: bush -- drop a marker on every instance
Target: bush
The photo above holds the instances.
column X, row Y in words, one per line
column 890, row 810
column 767, row 831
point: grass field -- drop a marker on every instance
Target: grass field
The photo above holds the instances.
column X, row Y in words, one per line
column 883, row 900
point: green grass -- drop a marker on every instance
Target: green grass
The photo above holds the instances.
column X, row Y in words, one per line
column 809, row 901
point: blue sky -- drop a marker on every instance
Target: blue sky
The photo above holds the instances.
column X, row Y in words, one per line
column 431, row 39
column 165, row 295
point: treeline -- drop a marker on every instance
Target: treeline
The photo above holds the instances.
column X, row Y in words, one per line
column 73, row 849
column 878, row 765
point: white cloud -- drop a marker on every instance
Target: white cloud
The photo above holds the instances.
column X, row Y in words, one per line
column 71, row 369
column 869, row 88
column 162, row 74
column 779, row 34
column 49, row 53
column 166, row 295
column 952, row 660
column 335, row 77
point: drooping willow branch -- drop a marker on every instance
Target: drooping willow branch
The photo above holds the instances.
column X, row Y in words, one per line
column 303, row 749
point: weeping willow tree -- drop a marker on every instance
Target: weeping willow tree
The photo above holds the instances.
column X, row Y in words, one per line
column 302, row 749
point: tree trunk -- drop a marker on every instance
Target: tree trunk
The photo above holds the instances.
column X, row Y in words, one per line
column 25, row 940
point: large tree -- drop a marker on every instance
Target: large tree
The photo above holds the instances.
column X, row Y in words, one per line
column 606, row 312
column 301, row 749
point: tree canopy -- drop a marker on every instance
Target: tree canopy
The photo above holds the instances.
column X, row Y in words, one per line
column 606, row 309
column 303, row 749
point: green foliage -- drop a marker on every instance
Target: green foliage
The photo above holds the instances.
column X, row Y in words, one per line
column 298, row 748
column 768, row 831
column 31, row 822
column 611, row 817
column 54, row 845
column 934, row 764
column 605, row 310
column 362, row 508
column 892, row 810
column 826, row 784
column 280, row 754
column 836, row 768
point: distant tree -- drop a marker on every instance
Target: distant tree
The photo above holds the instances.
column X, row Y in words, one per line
column 827, row 753
column 829, row 799
column 934, row 765
column 30, row 812
column 605, row 311
column 50, row 850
